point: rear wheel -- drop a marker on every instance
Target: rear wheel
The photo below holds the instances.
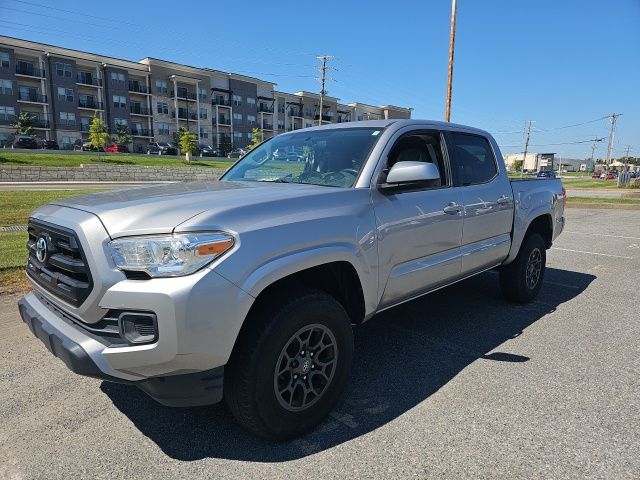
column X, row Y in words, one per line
column 521, row 280
column 290, row 365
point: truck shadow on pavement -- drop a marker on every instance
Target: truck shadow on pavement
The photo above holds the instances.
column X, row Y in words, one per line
column 402, row 356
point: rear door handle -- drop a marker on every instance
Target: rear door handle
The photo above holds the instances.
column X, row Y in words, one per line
column 503, row 200
column 452, row 209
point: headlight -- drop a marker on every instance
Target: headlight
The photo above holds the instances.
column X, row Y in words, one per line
column 169, row 255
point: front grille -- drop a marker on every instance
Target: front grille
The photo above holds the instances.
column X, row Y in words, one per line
column 62, row 267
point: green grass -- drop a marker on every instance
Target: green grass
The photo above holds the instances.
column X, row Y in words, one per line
column 602, row 201
column 16, row 206
column 91, row 158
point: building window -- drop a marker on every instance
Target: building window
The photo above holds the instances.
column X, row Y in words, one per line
column 202, row 93
column 237, row 100
column 204, row 113
column 163, row 108
column 4, row 139
column 250, row 135
column 6, row 87
column 67, row 143
column 7, row 113
column 204, row 132
column 281, row 108
column 163, row 128
column 65, row 94
column 307, row 125
column 117, row 77
column 237, row 118
column 161, row 86
column 120, row 121
column 251, row 120
column 67, row 118
column 63, row 69
column 251, row 101
column 119, row 101
column 237, row 136
column 4, row 59
column 280, row 124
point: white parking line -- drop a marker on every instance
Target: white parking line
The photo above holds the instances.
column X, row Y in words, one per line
column 603, row 235
column 591, row 253
column 564, row 285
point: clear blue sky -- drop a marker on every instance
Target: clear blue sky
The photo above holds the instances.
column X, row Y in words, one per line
column 556, row 62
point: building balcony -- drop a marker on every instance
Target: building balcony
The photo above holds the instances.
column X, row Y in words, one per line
column 185, row 95
column 222, row 102
column 184, row 115
column 32, row 97
column 140, row 132
column 265, row 109
column 84, row 127
column 267, row 126
column 7, row 119
column 325, row 118
column 137, row 88
column 224, row 120
column 88, row 81
column 90, row 104
column 139, row 110
column 295, row 113
column 28, row 70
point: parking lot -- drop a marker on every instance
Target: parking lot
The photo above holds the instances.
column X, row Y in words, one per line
column 456, row 384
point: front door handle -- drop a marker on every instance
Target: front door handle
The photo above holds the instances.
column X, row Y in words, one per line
column 452, row 209
column 503, row 200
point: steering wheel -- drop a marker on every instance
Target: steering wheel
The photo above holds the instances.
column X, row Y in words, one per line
column 340, row 174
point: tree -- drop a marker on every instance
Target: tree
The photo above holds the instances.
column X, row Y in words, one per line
column 24, row 124
column 98, row 134
column 256, row 138
column 517, row 165
column 188, row 142
column 122, row 135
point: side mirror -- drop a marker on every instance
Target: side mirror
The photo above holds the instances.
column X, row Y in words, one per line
column 411, row 172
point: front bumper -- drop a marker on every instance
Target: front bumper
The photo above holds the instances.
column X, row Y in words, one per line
column 186, row 390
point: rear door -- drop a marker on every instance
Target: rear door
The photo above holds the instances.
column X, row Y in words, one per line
column 487, row 201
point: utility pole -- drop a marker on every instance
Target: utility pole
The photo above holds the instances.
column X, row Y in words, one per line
column 593, row 149
column 526, row 145
column 322, row 79
column 612, row 118
column 452, row 43
column 626, row 157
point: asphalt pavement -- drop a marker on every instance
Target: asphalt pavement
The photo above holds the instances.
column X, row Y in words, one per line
column 458, row 384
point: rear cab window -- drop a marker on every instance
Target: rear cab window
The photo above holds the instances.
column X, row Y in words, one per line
column 473, row 161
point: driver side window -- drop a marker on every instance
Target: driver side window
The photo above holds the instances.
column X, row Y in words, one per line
column 422, row 146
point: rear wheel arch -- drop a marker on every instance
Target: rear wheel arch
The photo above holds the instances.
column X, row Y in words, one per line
column 543, row 226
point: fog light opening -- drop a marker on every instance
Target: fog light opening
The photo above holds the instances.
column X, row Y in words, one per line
column 138, row 327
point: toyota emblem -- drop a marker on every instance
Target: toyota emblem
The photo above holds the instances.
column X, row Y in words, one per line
column 41, row 249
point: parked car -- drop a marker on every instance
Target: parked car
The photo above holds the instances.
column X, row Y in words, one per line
column 546, row 174
column 207, row 151
column 595, row 175
column 237, row 153
column 161, row 148
column 249, row 288
column 611, row 176
column 85, row 146
column 50, row 145
column 24, row 141
column 116, row 148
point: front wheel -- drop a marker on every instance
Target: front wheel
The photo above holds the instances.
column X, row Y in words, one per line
column 290, row 365
column 521, row 280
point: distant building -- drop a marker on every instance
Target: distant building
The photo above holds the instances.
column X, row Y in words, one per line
column 547, row 161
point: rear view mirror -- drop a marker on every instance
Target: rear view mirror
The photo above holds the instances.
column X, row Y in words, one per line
column 410, row 172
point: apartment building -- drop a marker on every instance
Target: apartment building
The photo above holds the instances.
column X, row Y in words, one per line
column 63, row 89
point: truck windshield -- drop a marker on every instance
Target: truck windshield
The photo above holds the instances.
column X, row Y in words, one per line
column 331, row 157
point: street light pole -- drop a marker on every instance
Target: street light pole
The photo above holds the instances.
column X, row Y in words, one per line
column 452, row 42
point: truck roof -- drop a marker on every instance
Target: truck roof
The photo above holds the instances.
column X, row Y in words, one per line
column 398, row 123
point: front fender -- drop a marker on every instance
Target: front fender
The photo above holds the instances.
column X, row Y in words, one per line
column 277, row 268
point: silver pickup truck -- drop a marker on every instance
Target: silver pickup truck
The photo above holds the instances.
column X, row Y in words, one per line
column 248, row 288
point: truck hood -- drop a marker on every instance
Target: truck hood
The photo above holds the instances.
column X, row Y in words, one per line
column 161, row 208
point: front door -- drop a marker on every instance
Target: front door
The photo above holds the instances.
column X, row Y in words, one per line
column 419, row 227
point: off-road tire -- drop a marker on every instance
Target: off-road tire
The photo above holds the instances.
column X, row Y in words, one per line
column 250, row 375
column 516, row 278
